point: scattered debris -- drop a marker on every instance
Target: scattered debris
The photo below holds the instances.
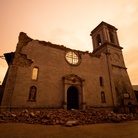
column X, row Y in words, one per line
column 68, row 118
column 71, row 123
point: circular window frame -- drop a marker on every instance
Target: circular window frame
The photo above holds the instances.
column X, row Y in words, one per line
column 72, row 58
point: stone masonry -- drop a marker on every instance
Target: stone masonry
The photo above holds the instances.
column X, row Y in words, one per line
column 50, row 76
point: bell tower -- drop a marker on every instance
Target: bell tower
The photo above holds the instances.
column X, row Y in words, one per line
column 105, row 40
column 104, row 34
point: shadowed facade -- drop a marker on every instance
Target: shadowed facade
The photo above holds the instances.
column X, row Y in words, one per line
column 46, row 75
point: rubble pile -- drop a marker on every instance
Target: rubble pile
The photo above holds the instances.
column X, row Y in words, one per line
column 64, row 117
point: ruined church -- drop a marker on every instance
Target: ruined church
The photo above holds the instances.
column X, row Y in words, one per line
column 45, row 75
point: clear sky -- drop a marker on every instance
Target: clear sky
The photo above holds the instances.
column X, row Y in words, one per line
column 69, row 23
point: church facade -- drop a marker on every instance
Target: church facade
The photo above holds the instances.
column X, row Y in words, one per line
column 46, row 75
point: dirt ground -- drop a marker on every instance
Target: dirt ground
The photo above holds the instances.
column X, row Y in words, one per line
column 107, row 130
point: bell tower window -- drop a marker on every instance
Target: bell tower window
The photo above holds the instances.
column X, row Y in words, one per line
column 111, row 37
column 99, row 40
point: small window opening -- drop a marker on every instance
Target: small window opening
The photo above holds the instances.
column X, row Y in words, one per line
column 101, row 81
column 111, row 36
column 103, row 100
column 99, row 40
column 35, row 73
column 32, row 93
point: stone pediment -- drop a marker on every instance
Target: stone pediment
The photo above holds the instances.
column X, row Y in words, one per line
column 72, row 77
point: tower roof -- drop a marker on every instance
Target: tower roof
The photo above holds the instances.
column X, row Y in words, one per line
column 103, row 24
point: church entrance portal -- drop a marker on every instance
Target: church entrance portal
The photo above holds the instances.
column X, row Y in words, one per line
column 72, row 98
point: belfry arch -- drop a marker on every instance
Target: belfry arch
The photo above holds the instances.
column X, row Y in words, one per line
column 73, row 92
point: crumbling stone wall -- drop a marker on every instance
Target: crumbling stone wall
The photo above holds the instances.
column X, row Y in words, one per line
column 19, row 60
column 50, row 60
column 106, row 63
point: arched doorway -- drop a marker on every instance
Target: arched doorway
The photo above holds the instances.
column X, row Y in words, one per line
column 72, row 98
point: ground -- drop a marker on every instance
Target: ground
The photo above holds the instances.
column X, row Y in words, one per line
column 127, row 129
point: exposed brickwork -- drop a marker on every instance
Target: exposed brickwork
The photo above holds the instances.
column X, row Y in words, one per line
column 21, row 60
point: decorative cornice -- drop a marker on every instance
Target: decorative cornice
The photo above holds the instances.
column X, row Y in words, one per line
column 72, row 77
column 119, row 66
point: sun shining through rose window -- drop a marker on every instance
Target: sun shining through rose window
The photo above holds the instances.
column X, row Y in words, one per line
column 72, row 58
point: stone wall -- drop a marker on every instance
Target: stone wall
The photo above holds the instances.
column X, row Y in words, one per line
column 50, row 60
column 100, row 79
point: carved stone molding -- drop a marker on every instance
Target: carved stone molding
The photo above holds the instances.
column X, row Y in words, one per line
column 72, row 77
